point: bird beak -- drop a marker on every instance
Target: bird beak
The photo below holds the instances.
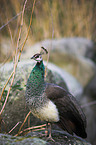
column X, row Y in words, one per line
column 32, row 57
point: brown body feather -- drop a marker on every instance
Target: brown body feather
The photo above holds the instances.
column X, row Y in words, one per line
column 72, row 118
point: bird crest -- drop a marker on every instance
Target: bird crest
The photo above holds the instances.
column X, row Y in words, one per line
column 38, row 56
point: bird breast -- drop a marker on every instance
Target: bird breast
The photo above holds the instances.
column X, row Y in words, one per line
column 48, row 112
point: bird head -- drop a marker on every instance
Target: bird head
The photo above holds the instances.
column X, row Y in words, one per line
column 38, row 56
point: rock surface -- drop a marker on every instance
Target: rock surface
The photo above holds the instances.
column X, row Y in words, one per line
column 12, row 140
column 83, row 69
column 60, row 138
column 16, row 109
column 75, row 45
column 90, row 89
column 89, row 98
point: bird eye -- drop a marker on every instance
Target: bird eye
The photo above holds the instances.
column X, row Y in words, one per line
column 37, row 56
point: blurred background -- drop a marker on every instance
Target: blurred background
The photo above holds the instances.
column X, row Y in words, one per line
column 67, row 28
column 51, row 19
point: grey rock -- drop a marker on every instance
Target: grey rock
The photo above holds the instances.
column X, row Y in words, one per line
column 75, row 45
column 16, row 109
column 12, row 140
column 63, row 138
column 73, row 85
column 25, row 67
column 90, row 111
column 88, row 100
column 90, row 89
column 60, row 138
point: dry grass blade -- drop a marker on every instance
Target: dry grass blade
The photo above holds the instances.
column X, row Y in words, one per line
column 16, row 60
column 23, row 123
column 52, row 35
column 14, row 127
column 13, row 73
column 28, row 131
column 10, row 21
column 6, row 85
column 89, row 104
column 28, row 30
column 4, row 124
column 34, row 128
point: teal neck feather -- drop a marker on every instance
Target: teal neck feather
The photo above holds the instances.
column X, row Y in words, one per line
column 35, row 83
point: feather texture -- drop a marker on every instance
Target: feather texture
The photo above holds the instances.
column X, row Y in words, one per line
column 71, row 115
column 52, row 103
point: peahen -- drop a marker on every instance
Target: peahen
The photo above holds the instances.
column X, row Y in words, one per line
column 52, row 103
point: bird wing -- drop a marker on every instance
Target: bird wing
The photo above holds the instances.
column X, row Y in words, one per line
column 71, row 115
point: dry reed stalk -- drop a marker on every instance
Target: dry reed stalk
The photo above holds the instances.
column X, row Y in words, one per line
column 88, row 104
column 6, row 85
column 10, row 20
column 32, row 130
column 15, row 65
column 36, row 128
column 14, row 127
column 17, row 59
column 23, row 123
column 52, row 35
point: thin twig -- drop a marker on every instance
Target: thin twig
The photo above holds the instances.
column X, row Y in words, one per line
column 36, row 128
column 89, row 104
column 15, row 65
column 28, row 30
column 23, row 122
column 6, row 85
column 52, row 35
column 16, row 60
column 10, row 20
column 29, row 121
column 5, row 126
column 32, row 130
column 21, row 26
column 9, row 53
column 14, row 127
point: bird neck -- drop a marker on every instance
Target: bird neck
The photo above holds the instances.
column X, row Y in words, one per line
column 39, row 71
column 36, row 78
